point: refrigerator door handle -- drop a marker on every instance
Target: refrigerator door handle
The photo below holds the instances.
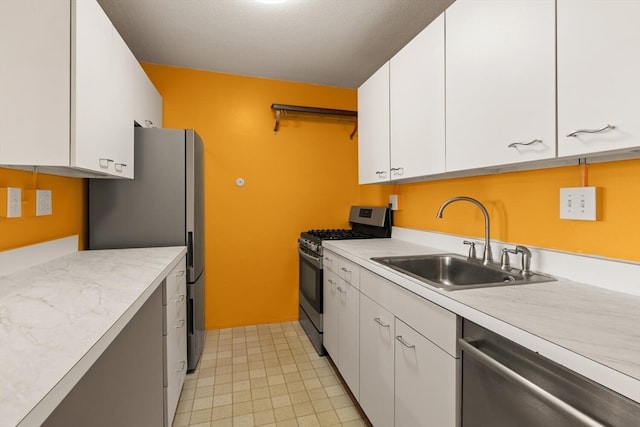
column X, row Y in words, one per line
column 190, row 255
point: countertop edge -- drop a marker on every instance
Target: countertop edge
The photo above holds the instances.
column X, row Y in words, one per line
column 54, row 397
column 602, row 374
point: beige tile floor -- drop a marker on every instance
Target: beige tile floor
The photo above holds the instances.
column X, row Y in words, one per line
column 264, row 375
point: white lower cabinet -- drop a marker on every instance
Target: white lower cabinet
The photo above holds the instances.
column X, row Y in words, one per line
column 330, row 315
column 408, row 358
column 349, row 335
column 175, row 339
column 341, row 327
column 377, row 340
column 425, row 381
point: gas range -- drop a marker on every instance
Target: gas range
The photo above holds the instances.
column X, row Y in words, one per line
column 312, row 240
column 366, row 223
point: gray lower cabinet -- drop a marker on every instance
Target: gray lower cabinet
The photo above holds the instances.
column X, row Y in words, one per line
column 124, row 387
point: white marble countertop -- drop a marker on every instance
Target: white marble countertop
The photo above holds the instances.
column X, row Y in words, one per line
column 58, row 317
column 590, row 330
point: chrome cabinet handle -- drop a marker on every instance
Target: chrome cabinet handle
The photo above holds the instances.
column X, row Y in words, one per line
column 516, row 144
column 381, row 174
column 534, row 389
column 404, row 343
column 104, row 163
column 180, row 298
column 331, row 281
column 379, row 322
column 397, row 171
column 342, row 291
column 180, row 324
column 579, row 131
column 182, row 365
column 119, row 166
column 180, row 273
column 345, row 270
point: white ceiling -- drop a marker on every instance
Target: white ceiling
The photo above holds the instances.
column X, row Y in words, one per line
column 327, row 42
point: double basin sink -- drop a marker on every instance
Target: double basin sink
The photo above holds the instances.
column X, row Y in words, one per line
column 453, row 272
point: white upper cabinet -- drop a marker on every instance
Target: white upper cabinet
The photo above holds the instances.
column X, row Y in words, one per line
column 500, row 82
column 34, row 82
column 147, row 102
column 101, row 133
column 373, row 128
column 72, row 96
column 417, row 102
column 598, row 75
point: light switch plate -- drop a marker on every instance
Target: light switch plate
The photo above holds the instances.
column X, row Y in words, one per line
column 579, row 203
column 43, row 202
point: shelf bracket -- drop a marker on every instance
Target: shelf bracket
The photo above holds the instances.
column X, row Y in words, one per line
column 355, row 130
column 281, row 109
column 277, row 124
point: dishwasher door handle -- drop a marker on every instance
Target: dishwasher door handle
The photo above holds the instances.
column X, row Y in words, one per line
column 532, row 388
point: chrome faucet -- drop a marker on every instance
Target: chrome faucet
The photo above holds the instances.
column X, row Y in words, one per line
column 487, row 256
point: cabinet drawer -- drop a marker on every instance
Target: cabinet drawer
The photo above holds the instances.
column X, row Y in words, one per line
column 345, row 269
column 176, row 282
column 349, row 272
column 440, row 326
column 330, row 261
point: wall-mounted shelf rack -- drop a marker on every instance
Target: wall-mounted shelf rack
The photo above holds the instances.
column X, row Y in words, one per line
column 283, row 108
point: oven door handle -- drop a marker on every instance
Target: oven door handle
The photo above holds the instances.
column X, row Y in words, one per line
column 542, row 394
column 316, row 261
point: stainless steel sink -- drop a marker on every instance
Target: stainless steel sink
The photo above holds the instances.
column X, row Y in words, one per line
column 453, row 272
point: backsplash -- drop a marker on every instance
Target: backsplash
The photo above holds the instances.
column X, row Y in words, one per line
column 68, row 210
column 524, row 208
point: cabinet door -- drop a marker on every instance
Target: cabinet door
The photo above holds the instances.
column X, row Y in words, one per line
column 35, row 82
column 147, row 102
column 373, row 128
column 93, row 97
column 500, row 82
column 376, row 362
column 425, row 381
column 598, row 75
column 121, row 118
column 349, row 335
column 417, row 105
column 330, row 315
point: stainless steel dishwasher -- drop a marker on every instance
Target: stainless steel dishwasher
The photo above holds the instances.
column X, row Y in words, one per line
column 506, row 385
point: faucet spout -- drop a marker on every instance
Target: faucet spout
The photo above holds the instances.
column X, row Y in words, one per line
column 487, row 256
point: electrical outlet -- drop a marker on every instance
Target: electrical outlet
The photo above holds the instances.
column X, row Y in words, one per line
column 11, row 203
column 579, row 203
column 393, row 201
column 43, row 202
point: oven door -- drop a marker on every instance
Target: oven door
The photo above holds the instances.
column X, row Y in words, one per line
column 310, row 282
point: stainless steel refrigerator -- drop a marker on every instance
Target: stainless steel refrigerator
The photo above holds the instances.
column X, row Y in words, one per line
column 162, row 206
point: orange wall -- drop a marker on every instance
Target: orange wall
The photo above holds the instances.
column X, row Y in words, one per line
column 251, row 232
column 524, row 208
column 68, row 210
column 303, row 177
